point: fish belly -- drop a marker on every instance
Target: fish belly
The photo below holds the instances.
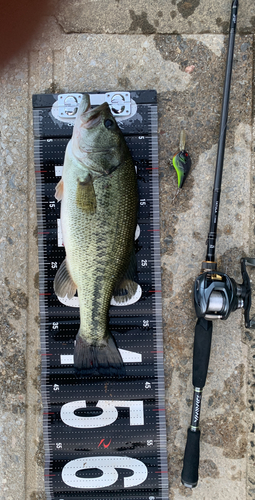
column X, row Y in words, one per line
column 99, row 245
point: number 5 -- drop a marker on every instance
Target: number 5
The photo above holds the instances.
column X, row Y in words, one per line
column 109, row 415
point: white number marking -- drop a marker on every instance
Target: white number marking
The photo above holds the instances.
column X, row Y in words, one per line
column 108, row 466
column 58, row 170
column 127, row 357
column 109, row 415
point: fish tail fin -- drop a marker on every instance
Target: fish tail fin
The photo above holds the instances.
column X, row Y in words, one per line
column 103, row 359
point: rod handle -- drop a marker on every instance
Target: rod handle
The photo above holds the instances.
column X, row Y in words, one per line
column 189, row 475
column 201, row 352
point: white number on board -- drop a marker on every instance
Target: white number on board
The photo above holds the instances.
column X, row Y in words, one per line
column 107, row 417
column 108, row 466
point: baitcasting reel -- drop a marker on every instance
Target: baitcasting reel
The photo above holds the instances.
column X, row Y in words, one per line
column 216, row 295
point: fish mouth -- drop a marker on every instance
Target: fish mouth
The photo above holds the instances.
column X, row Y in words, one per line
column 92, row 117
column 84, row 105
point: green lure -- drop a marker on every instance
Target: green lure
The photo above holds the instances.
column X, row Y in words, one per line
column 182, row 161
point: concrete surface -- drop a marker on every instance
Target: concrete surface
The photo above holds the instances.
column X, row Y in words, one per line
column 91, row 45
column 164, row 16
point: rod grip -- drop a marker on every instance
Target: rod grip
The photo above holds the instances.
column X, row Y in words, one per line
column 201, row 352
column 189, row 475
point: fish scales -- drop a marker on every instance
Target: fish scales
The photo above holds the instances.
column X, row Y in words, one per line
column 97, row 265
column 98, row 193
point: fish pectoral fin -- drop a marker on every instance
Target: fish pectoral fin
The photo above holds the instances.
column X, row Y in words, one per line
column 59, row 192
column 85, row 194
column 125, row 291
column 63, row 282
column 127, row 288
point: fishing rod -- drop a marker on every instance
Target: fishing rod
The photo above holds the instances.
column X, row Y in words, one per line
column 216, row 295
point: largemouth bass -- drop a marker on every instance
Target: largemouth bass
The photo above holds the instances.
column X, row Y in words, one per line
column 99, row 200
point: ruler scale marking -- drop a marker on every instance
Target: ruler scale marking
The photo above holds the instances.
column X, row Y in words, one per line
column 59, row 325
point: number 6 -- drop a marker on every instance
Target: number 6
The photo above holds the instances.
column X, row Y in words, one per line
column 108, row 466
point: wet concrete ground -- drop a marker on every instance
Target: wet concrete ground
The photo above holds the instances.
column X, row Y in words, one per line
column 88, row 46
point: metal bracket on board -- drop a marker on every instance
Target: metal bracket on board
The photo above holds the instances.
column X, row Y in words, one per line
column 119, row 103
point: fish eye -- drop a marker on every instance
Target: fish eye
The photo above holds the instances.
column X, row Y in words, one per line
column 109, row 123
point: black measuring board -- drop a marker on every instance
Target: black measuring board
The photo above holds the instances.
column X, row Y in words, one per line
column 104, row 438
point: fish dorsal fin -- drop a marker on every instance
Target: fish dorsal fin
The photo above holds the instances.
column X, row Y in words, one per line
column 63, row 282
column 85, row 194
column 59, row 192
